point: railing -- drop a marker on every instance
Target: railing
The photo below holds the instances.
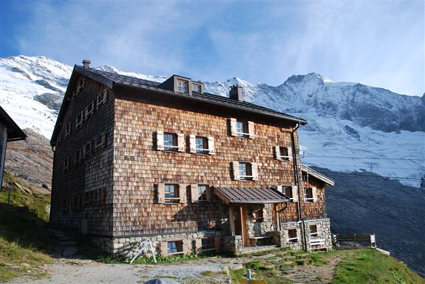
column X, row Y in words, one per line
column 354, row 240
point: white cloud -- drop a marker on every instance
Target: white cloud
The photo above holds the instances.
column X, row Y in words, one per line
column 376, row 43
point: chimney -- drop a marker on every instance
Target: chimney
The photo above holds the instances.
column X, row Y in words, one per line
column 235, row 93
column 86, row 63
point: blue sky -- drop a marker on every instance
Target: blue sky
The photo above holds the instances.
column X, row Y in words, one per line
column 379, row 43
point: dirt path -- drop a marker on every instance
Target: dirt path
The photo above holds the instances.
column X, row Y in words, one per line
column 66, row 271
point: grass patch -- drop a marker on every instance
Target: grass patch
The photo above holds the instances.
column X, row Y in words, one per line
column 24, row 242
column 371, row 266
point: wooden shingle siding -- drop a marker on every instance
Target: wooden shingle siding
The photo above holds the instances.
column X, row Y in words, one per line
column 139, row 167
column 92, row 173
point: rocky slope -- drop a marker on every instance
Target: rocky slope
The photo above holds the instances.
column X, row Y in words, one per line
column 31, row 160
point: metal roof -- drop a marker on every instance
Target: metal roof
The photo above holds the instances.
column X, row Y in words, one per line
column 317, row 175
column 206, row 97
column 250, row 195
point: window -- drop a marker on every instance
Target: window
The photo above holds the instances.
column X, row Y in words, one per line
column 196, row 87
column 308, row 194
column 87, row 149
column 59, row 137
column 170, row 142
column 171, row 192
column 68, row 130
column 292, row 236
column 202, row 192
column 100, row 141
column 201, row 145
column 79, row 120
column 102, row 196
column 182, row 86
column 89, row 110
column 245, row 171
column 208, row 244
column 78, row 156
column 102, row 98
column 258, row 215
column 283, row 153
column 80, row 86
column 66, row 164
column 175, row 247
column 240, row 129
column 288, row 192
column 313, row 231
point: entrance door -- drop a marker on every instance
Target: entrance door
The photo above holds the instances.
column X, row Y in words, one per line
column 240, row 223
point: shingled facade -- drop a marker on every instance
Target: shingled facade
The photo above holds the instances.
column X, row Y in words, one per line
column 192, row 171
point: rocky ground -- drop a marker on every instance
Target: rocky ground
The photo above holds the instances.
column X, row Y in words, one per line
column 209, row 270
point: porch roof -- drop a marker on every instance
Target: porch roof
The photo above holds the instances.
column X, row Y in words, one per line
column 250, row 195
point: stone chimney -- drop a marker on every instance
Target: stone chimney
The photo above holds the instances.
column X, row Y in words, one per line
column 86, row 63
column 235, row 93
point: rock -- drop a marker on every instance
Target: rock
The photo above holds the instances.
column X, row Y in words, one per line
column 226, row 270
column 237, row 266
column 26, row 265
column 45, row 186
column 162, row 281
column 70, row 251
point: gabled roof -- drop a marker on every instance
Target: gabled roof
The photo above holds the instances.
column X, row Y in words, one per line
column 13, row 131
column 317, row 175
column 250, row 195
column 111, row 80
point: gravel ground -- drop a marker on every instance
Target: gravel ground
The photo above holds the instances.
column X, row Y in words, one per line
column 65, row 271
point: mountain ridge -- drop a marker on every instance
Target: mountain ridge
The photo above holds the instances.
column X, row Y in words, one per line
column 363, row 124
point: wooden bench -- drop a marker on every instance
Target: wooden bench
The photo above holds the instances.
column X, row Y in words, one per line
column 253, row 240
column 317, row 244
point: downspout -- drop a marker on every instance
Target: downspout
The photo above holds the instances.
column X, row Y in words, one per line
column 298, row 182
column 278, row 215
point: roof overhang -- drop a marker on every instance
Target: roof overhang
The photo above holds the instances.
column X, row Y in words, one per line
column 14, row 132
column 317, row 175
column 250, row 195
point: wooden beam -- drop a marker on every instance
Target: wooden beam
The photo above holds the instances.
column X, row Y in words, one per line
column 231, row 220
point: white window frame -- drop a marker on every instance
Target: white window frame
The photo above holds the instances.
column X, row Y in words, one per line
column 68, row 130
column 102, row 98
column 293, row 239
column 66, row 164
column 315, row 234
column 89, row 110
column 180, row 84
column 313, row 197
column 79, row 120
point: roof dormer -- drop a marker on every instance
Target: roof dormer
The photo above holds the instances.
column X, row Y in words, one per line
column 182, row 85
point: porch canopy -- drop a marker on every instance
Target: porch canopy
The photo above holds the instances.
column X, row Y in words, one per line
column 250, row 195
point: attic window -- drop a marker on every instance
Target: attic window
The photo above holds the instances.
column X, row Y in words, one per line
column 79, row 120
column 196, row 88
column 182, row 86
column 89, row 110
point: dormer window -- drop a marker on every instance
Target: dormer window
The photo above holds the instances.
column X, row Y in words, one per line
column 182, row 86
column 196, row 88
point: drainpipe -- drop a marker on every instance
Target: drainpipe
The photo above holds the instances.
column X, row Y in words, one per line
column 298, row 182
column 278, row 215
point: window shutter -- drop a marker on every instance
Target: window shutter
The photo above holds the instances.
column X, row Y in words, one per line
column 161, row 193
column 182, row 193
column 236, row 175
column 194, row 192
column 314, row 194
column 180, row 142
column 290, row 153
column 295, row 193
column 233, row 127
column 254, row 169
column 280, row 189
column 251, row 129
column 211, row 148
column 277, row 152
column 160, row 140
column 209, row 194
column 192, row 143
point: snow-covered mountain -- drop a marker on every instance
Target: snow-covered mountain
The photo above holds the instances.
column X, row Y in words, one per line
column 351, row 127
